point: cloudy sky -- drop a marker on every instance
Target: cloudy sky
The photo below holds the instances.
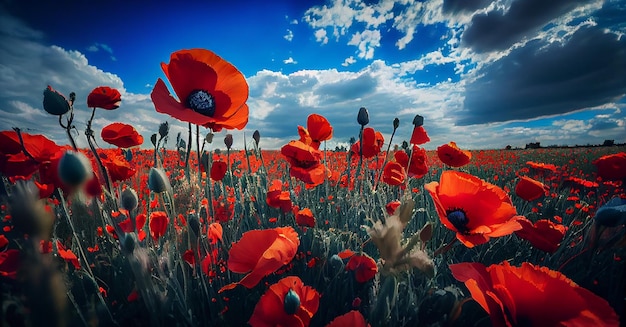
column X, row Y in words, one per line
column 483, row 73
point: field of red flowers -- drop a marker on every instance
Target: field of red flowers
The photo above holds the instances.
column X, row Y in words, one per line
column 379, row 235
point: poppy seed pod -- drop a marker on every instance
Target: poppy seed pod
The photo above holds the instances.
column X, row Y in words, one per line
column 291, row 302
column 364, row 117
column 209, row 138
column 54, row 103
column 418, row 121
column 74, row 168
column 130, row 240
column 396, row 123
column 228, row 140
column 164, row 129
column 612, row 213
column 158, row 181
column 336, row 263
column 256, row 136
column 129, row 199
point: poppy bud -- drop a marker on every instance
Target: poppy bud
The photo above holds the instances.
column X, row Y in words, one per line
column 336, row 263
column 228, row 140
column 153, row 139
column 396, row 123
column 72, row 98
column 256, row 136
column 194, row 224
column 74, row 168
column 129, row 199
column 209, row 138
column 418, row 121
column 292, row 302
column 164, row 129
column 363, row 118
column 130, row 240
column 54, row 103
column 158, row 181
column 612, row 213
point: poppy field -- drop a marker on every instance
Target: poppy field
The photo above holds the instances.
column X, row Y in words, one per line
column 152, row 232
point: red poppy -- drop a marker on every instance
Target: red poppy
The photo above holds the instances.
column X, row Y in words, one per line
column 218, row 170
column 305, row 218
column 393, row 174
column 543, row 234
column 542, row 166
column 612, row 167
column 364, row 267
column 211, row 91
column 581, row 182
column 9, row 263
column 4, row 241
column 305, row 137
column 158, row 224
column 277, row 198
column 67, row 255
column 304, row 162
column 287, row 303
column 319, row 129
column 392, row 206
column 140, row 221
column 530, row 189
column 13, row 161
column 104, row 97
column 261, row 252
column 418, row 167
column 121, row 135
column 419, row 136
column 533, row 296
column 451, row 155
column 372, row 144
column 474, row 209
column 116, row 165
column 215, row 232
column 352, row 318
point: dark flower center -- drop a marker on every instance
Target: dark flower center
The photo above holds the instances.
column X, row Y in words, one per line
column 458, row 219
column 201, row 102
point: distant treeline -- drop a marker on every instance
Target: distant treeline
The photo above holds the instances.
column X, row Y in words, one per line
column 537, row 145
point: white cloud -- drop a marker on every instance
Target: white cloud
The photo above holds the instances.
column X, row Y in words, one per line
column 366, row 42
column 289, row 35
column 320, row 36
column 349, row 61
column 290, row 61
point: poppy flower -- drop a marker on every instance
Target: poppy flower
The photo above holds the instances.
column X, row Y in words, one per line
column 392, row 206
column 305, row 218
column 476, row 210
column 393, row 174
column 304, row 162
column 352, row 318
column 372, row 144
column 530, row 189
column 104, row 97
column 451, row 155
column 319, row 129
column 9, row 263
column 364, row 267
column 419, row 136
column 218, row 170
column 54, row 102
column 418, row 165
column 287, row 303
column 140, row 221
column 612, row 167
column 277, row 198
column 116, row 165
column 121, row 135
column 545, row 235
column 542, row 166
column 158, row 224
column 532, row 296
column 261, row 252
column 211, row 91
column 13, row 161
column 215, row 232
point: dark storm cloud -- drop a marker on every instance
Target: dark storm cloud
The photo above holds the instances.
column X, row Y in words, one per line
column 612, row 15
column 497, row 30
column 456, row 6
column 539, row 80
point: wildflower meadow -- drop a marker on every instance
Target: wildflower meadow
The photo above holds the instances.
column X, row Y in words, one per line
column 185, row 230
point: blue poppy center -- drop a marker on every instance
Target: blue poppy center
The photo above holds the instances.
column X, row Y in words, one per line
column 201, row 102
column 458, row 219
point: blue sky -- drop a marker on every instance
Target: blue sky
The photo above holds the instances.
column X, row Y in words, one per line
column 483, row 73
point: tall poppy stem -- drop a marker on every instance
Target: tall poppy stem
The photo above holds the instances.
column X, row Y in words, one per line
column 90, row 139
column 380, row 174
column 68, row 128
column 358, row 168
column 445, row 248
column 188, row 152
column 245, row 149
